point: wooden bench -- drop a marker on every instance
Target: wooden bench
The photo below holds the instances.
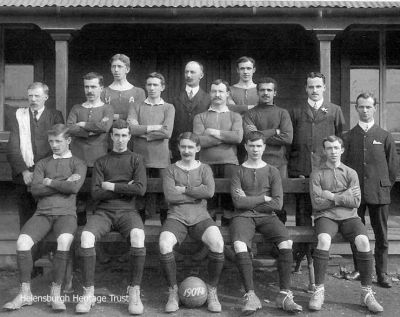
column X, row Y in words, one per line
column 222, row 186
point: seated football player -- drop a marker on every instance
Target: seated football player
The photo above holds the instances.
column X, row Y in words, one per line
column 56, row 181
column 257, row 195
column 118, row 177
column 187, row 185
column 335, row 197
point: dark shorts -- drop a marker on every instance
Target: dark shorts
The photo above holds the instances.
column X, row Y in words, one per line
column 349, row 228
column 38, row 226
column 180, row 230
column 103, row 221
column 244, row 228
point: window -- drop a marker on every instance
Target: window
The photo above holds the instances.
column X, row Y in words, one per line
column 17, row 78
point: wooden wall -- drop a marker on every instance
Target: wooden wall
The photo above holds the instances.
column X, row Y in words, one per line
column 285, row 52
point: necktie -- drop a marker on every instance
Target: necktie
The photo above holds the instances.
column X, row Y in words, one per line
column 35, row 113
column 190, row 94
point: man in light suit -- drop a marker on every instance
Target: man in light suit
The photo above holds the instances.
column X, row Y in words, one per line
column 28, row 144
column 371, row 152
column 191, row 101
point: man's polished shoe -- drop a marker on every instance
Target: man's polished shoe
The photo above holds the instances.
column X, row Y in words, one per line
column 384, row 280
column 352, row 276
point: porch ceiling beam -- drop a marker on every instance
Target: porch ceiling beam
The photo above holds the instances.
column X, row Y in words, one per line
column 309, row 18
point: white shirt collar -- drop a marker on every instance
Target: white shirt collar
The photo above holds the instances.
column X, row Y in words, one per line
column 223, row 109
column 40, row 111
column 66, row 155
column 366, row 125
column 315, row 104
column 148, row 102
column 194, row 89
column 90, row 106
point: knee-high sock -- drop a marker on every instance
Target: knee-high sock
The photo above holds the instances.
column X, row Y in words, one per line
column 285, row 262
column 25, row 264
column 321, row 259
column 215, row 266
column 365, row 266
column 136, row 261
column 59, row 266
column 89, row 265
column 168, row 265
column 245, row 266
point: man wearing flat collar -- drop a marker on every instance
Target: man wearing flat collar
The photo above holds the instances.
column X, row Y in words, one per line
column 28, row 144
column 191, row 101
column 90, row 122
column 312, row 122
column 371, row 152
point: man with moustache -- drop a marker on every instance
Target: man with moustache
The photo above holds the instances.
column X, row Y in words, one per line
column 28, row 144
column 220, row 131
column 371, row 152
column 187, row 184
column 191, row 101
column 89, row 122
column 274, row 122
column 118, row 178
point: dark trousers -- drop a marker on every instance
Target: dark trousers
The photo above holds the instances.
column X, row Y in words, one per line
column 26, row 204
column 379, row 215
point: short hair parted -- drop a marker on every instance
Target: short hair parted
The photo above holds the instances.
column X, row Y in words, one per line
column 120, row 124
column 267, row 80
column 59, row 129
column 94, row 75
column 254, row 136
column 121, row 57
column 244, row 59
column 221, row 81
column 316, row 75
column 332, row 138
column 189, row 136
column 366, row 95
column 38, row 84
column 156, row 75
column 198, row 63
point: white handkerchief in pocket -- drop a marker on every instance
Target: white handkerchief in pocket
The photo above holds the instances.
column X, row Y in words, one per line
column 376, row 142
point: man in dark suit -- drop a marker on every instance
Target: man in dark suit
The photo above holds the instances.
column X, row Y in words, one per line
column 28, row 144
column 191, row 101
column 371, row 152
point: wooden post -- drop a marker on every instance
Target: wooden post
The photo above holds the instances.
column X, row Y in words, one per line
column 2, row 78
column 61, row 39
column 325, row 37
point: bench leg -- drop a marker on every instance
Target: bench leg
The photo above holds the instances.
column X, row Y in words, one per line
column 69, row 275
column 311, row 274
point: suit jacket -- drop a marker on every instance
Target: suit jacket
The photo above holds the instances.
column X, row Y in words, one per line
column 40, row 145
column 373, row 156
column 309, row 130
column 185, row 110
